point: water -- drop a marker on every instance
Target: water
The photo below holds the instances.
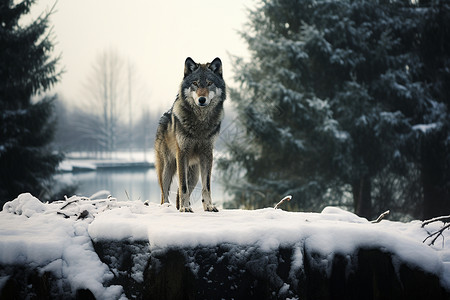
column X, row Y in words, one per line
column 134, row 184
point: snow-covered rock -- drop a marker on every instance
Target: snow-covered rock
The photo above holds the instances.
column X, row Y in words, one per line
column 116, row 250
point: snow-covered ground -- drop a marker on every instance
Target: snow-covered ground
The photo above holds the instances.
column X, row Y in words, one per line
column 57, row 237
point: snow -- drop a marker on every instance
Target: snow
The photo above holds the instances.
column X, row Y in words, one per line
column 53, row 237
column 35, row 234
column 26, row 205
column 425, row 128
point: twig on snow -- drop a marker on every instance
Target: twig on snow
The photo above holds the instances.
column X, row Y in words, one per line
column 445, row 219
column 63, row 214
column 69, row 202
column 288, row 198
column 381, row 217
column 438, row 233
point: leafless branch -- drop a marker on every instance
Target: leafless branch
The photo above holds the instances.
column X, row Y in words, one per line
column 69, row 202
column 381, row 217
column 64, row 215
column 436, row 234
column 288, row 198
column 445, row 219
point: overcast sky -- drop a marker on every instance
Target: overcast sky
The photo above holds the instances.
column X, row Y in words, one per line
column 156, row 36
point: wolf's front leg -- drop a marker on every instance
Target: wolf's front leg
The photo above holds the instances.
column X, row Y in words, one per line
column 183, row 193
column 206, row 162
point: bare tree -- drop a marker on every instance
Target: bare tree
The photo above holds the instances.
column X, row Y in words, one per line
column 106, row 96
column 130, row 105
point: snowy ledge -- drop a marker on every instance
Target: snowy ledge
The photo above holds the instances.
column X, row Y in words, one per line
column 107, row 249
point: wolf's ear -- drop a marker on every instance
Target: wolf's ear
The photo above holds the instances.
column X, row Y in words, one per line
column 189, row 66
column 216, row 66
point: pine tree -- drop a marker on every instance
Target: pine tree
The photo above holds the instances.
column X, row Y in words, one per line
column 329, row 103
column 27, row 164
column 285, row 120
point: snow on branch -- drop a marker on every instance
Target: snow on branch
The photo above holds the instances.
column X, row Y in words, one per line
column 288, row 198
column 381, row 217
column 445, row 219
column 435, row 235
column 75, row 206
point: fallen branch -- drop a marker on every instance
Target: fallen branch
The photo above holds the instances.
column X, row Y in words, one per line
column 445, row 219
column 288, row 198
column 69, row 202
column 63, row 214
column 381, row 217
column 77, row 199
column 438, row 233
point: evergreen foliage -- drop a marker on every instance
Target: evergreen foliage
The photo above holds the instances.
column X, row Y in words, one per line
column 337, row 103
column 27, row 68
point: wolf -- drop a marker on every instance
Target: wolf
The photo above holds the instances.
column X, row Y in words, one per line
column 186, row 133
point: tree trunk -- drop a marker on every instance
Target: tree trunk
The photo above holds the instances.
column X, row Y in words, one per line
column 434, row 176
column 361, row 197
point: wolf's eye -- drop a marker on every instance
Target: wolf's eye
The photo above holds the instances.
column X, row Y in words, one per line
column 209, row 83
column 195, row 83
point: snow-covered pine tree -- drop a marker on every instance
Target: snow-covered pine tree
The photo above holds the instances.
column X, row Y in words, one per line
column 26, row 125
column 323, row 101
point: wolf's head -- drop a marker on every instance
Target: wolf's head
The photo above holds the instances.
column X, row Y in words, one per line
column 203, row 84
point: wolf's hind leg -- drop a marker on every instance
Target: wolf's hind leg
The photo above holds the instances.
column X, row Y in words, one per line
column 166, row 177
column 159, row 166
column 193, row 174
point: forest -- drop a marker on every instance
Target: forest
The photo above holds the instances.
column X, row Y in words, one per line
column 344, row 103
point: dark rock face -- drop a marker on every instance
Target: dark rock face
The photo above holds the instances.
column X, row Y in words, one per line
column 238, row 272
column 368, row 274
column 23, row 283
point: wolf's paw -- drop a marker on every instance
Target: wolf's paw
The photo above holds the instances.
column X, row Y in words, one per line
column 186, row 209
column 211, row 208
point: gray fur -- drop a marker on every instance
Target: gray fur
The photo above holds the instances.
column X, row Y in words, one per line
column 186, row 133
